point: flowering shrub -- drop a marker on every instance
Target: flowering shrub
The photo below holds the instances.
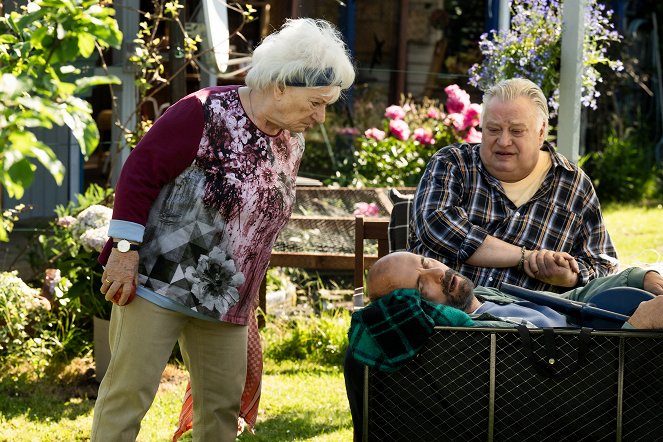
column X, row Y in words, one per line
column 89, row 228
column 397, row 153
column 25, row 326
column 532, row 49
column 78, row 234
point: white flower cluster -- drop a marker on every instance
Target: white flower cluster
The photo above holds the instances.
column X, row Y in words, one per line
column 91, row 227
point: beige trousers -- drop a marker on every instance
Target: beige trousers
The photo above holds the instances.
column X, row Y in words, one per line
column 142, row 337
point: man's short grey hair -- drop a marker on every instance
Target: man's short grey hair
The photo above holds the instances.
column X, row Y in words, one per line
column 305, row 52
column 509, row 90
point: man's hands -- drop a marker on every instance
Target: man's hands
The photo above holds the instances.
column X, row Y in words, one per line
column 555, row 268
column 653, row 283
column 120, row 277
column 649, row 314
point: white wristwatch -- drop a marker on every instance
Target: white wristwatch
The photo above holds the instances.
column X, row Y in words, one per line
column 124, row 246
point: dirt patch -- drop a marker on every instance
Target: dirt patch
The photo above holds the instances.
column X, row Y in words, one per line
column 172, row 377
column 77, row 379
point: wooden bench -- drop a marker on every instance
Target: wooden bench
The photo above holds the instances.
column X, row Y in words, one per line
column 364, row 229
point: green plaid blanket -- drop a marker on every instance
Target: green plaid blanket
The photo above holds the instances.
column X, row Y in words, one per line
column 391, row 330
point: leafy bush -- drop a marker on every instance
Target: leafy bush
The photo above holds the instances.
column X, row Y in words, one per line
column 26, row 332
column 622, row 171
column 320, row 339
column 42, row 45
column 412, row 132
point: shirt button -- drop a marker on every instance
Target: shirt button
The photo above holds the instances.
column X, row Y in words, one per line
column 490, row 278
column 517, row 214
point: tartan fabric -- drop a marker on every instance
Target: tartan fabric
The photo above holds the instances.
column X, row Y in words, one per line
column 391, row 330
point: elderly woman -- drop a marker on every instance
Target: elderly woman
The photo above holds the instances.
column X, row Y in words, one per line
column 198, row 207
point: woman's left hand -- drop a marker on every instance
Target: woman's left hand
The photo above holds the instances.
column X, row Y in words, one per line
column 120, row 277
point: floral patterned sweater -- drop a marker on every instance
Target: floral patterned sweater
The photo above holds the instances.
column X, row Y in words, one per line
column 206, row 192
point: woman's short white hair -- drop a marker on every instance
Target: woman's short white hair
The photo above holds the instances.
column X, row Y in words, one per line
column 509, row 90
column 305, row 52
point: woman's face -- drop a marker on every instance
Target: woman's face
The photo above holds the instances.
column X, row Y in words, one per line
column 299, row 108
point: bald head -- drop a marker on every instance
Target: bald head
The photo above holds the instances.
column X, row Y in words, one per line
column 435, row 280
column 394, row 271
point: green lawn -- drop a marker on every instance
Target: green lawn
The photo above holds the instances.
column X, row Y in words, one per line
column 637, row 233
column 300, row 402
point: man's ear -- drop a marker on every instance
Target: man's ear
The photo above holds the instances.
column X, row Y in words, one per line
column 542, row 132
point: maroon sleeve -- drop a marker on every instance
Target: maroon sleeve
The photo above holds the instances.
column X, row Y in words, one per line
column 168, row 148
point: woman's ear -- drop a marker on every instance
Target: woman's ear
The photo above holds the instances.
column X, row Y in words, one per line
column 278, row 92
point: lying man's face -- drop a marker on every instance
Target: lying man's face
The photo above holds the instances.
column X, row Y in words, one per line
column 436, row 282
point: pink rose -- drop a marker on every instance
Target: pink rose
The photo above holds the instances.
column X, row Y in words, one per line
column 394, row 112
column 424, row 136
column 366, row 209
column 375, row 133
column 457, row 120
column 434, row 113
column 457, row 99
column 472, row 115
column 400, row 129
column 473, row 136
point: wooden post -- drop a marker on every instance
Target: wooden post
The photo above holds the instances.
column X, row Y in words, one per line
column 401, row 59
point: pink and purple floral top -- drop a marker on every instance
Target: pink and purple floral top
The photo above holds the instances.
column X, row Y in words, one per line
column 206, row 192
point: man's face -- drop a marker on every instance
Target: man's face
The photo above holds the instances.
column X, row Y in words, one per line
column 436, row 282
column 512, row 134
column 300, row 108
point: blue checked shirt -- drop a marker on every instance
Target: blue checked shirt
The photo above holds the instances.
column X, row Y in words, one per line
column 458, row 203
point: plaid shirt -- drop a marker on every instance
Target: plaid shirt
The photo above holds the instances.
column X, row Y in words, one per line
column 458, row 203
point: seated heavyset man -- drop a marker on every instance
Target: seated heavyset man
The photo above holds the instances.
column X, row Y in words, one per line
column 511, row 209
column 439, row 284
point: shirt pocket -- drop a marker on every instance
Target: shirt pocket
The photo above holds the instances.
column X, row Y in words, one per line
column 551, row 227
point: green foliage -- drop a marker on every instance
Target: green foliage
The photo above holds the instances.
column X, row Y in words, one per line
column 39, row 82
column 26, row 335
column 316, row 339
column 622, row 171
column 73, row 248
column 7, row 220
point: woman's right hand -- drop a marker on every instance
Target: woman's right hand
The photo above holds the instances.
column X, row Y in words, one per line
column 120, row 277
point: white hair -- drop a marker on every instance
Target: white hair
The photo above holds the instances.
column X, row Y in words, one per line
column 510, row 89
column 304, row 52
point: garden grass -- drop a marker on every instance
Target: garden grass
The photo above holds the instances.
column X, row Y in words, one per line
column 637, row 233
column 300, row 402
